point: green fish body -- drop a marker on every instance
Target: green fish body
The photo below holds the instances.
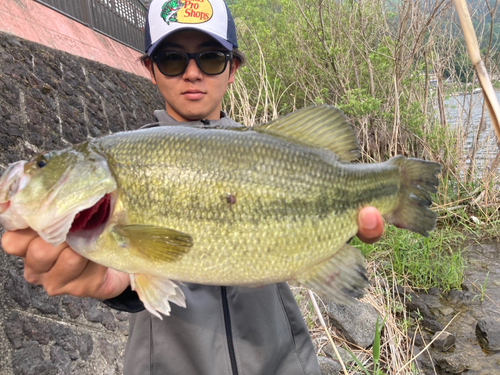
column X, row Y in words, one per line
column 242, row 207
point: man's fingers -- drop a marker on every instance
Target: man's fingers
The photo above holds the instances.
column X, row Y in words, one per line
column 371, row 225
column 16, row 243
column 94, row 281
column 60, row 270
column 68, row 266
column 41, row 256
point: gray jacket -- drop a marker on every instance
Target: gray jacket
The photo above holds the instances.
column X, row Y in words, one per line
column 223, row 330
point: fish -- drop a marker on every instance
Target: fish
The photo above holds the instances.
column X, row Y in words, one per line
column 246, row 206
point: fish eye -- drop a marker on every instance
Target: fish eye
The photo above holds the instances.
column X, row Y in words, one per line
column 41, row 161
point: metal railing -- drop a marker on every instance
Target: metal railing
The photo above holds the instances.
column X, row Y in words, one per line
column 122, row 20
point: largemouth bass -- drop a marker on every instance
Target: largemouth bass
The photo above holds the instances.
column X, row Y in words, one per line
column 244, row 207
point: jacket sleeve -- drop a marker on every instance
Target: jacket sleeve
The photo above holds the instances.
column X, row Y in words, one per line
column 127, row 301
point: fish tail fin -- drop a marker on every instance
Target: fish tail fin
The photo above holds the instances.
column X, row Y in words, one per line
column 419, row 179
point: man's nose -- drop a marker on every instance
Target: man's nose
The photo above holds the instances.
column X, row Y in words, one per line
column 192, row 71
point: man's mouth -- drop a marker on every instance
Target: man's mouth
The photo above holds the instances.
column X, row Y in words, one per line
column 193, row 94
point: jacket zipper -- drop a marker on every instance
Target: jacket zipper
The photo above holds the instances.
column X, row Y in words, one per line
column 229, row 333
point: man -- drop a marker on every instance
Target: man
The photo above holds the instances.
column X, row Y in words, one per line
column 192, row 59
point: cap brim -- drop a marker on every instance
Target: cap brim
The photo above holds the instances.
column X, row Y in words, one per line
column 224, row 43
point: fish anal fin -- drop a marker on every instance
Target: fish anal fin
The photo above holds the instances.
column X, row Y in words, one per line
column 156, row 293
column 324, row 127
column 153, row 242
column 339, row 278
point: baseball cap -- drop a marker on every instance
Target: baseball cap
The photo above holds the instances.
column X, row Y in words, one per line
column 209, row 16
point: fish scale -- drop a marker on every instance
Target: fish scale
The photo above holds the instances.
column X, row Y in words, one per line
column 221, row 233
column 220, row 206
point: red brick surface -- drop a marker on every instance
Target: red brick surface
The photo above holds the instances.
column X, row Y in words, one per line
column 30, row 20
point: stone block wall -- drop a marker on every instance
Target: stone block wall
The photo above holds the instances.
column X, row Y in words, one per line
column 49, row 100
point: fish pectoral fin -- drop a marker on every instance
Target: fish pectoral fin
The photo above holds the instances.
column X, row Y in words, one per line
column 152, row 242
column 322, row 126
column 338, row 278
column 156, row 292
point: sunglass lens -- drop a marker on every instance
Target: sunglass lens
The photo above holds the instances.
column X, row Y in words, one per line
column 172, row 63
column 213, row 62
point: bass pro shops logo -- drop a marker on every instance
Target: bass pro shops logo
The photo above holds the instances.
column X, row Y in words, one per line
column 188, row 11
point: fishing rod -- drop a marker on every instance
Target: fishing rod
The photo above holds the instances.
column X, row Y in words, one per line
column 478, row 64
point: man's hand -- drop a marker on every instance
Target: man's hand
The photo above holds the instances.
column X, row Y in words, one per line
column 60, row 270
column 370, row 225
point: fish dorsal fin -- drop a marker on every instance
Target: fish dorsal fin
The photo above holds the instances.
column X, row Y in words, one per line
column 323, row 126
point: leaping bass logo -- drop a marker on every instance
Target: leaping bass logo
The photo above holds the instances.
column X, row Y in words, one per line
column 188, row 11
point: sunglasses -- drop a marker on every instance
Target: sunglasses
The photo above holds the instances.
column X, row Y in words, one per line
column 172, row 64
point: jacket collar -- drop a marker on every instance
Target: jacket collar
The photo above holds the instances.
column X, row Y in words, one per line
column 164, row 119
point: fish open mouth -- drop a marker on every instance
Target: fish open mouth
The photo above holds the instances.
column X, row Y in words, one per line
column 93, row 217
column 89, row 224
column 11, row 182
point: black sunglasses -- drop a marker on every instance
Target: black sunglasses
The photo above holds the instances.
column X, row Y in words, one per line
column 175, row 63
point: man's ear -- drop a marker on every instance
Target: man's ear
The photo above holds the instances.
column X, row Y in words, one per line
column 235, row 64
column 150, row 67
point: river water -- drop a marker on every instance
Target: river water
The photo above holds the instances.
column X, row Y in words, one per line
column 480, row 298
column 464, row 113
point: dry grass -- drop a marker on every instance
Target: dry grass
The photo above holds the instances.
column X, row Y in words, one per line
column 396, row 342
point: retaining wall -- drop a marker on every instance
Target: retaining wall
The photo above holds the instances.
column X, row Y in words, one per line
column 48, row 100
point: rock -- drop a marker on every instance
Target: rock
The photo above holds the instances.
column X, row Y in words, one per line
column 43, row 302
column 455, row 363
column 329, row 366
column 344, row 354
column 91, row 310
column 488, row 334
column 29, row 361
column 432, row 325
column 66, row 339
column 73, row 306
column 36, row 330
column 108, row 350
column 60, row 359
column 462, row 298
column 446, row 311
column 86, row 346
column 415, row 304
column 443, row 340
column 108, row 320
column 357, row 321
column 417, row 339
column 14, row 131
column 122, row 316
column 13, row 328
column 19, row 289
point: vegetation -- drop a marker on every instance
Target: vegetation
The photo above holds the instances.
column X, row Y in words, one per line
column 392, row 67
column 400, row 72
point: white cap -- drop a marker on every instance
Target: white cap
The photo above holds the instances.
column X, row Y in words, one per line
column 209, row 16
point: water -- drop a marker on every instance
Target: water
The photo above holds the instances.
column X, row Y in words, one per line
column 464, row 112
column 480, row 298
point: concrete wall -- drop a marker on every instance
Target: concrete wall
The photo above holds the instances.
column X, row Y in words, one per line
column 49, row 100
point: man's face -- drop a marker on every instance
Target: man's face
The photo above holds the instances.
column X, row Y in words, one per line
column 192, row 95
